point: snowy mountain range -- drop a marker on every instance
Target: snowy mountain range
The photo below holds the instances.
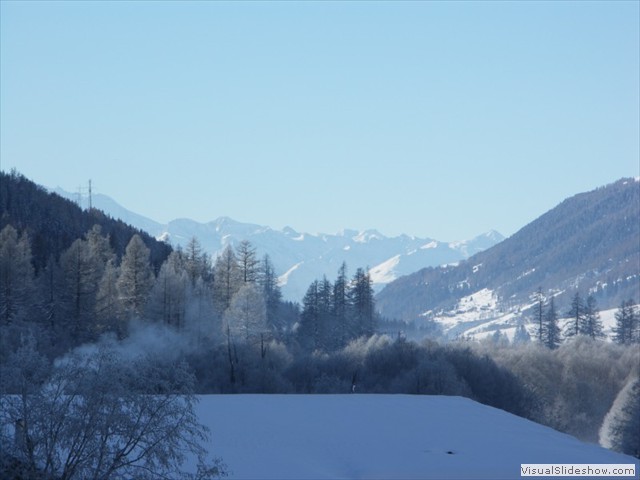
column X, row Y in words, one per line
column 589, row 243
column 300, row 258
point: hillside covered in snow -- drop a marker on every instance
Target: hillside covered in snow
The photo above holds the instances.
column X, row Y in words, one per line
column 382, row 437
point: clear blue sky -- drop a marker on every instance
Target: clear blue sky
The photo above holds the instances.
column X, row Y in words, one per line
column 440, row 119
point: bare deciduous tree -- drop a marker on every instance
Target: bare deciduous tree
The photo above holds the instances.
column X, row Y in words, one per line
column 102, row 415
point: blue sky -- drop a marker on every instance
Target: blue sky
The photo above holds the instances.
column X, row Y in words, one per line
column 440, row 119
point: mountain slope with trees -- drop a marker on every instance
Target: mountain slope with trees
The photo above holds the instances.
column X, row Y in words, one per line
column 588, row 243
column 53, row 223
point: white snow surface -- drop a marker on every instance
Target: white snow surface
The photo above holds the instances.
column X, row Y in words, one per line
column 381, row 437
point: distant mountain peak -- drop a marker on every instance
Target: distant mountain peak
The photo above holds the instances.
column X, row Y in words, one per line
column 300, row 257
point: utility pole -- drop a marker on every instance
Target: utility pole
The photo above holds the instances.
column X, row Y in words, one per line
column 90, row 200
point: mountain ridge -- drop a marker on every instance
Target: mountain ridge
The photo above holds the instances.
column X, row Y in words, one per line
column 301, row 257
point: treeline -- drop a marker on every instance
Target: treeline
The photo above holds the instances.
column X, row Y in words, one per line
column 583, row 320
column 90, row 290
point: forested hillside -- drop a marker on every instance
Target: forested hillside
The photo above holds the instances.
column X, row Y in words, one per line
column 53, row 223
column 588, row 243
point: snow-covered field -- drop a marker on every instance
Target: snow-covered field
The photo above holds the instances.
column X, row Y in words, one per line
column 382, row 437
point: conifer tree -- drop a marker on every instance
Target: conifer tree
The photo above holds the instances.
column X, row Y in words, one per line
column 168, row 297
column 136, row 278
column 362, row 302
column 327, row 328
column 108, row 309
column 308, row 331
column 592, row 325
column 197, row 263
column 248, row 262
column 341, row 305
column 16, row 275
column 577, row 316
column 80, row 287
column 227, row 279
column 539, row 313
column 551, row 330
column 268, row 280
column 626, row 329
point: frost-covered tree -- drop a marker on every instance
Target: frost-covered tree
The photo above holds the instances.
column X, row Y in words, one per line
column 169, row 295
column 136, row 278
column 100, row 250
column 268, row 281
column 246, row 317
column 50, row 285
column 197, row 262
column 248, row 262
column 108, row 308
column 102, row 415
column 521, row 335
column 80, row 273
column 227, row 279
column 620, row 429
column 16, row 275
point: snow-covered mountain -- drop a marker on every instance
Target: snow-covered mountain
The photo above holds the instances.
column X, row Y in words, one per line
column 383, row 436
column 587, row 244
column 300, row 258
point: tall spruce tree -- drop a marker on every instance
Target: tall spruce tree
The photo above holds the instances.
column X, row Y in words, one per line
column 308, row 331
column 626, row 328
column 551, row 331
column 327, row 325
column 341, row 306
column 577, row 316
column 362, row 303
column 539, row 313
column 592, row 324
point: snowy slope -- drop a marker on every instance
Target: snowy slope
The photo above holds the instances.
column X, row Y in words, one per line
column 300, row 258
column 480, row 315
column 381, row 436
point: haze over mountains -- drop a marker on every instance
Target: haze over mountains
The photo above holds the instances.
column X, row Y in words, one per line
column 589, row 243
column 300, row 258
